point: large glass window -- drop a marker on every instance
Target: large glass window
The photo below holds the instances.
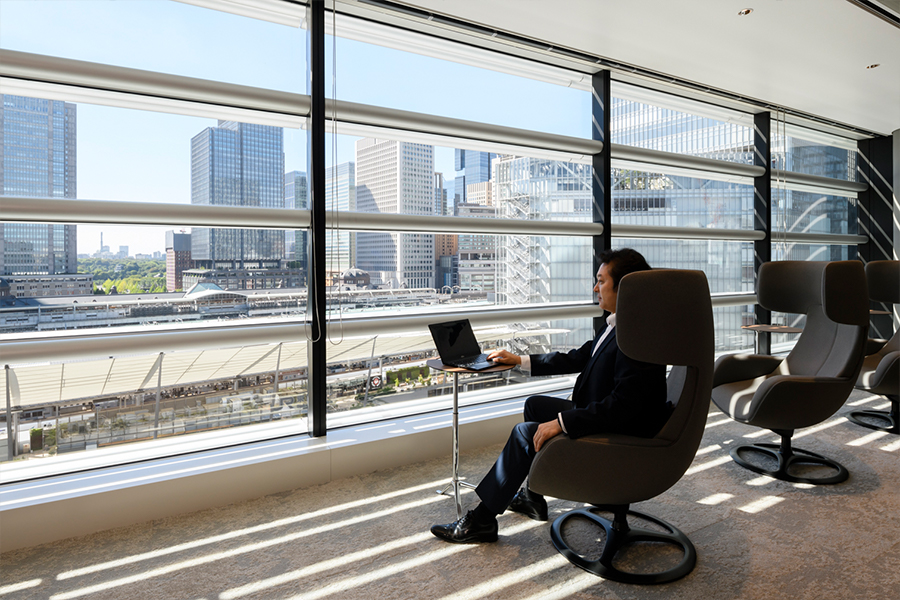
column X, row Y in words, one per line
column 812, row 153
column 412, row 79
column 165, row 37
column 640, row 119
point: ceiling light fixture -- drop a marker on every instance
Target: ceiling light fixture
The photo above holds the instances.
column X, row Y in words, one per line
column 744, row 12
column 873, row 66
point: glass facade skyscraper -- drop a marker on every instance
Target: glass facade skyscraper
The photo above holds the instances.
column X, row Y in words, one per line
column 472, row 166
column 340, row 195
column 395, row 178
column 237, row 164
column 37, row 159
column 296, row 195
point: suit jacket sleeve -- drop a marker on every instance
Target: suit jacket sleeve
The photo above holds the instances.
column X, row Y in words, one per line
column 635, row 404
column 559, row 363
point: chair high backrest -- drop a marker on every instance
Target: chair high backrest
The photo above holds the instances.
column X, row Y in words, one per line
column 834, row 298
column 883, row 277
column 665, row 317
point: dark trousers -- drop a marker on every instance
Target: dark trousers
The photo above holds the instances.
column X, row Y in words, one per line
column 500, row 485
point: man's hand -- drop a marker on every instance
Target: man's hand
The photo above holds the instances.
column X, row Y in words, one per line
column 505, row 357
column 544, row 432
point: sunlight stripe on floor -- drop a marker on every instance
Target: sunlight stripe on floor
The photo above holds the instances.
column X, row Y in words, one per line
column 760, row 481
column 891, row 447
column 863, row 401
column 443, row 551
column 715, row 499
column 821, row 427
column 578, row 582
column 492, row 586
column 18, row 587
column 761, row 504
column 708, row 465
column 708, row 449
column 875, row 435
column 246, row 531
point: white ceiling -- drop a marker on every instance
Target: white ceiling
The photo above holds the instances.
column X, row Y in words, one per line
column 806, row 55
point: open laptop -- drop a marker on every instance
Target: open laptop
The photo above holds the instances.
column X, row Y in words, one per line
column 456, row 343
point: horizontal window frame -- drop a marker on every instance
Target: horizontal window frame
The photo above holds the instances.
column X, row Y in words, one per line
column 686, row 233
column 291, row 13
column 70, row 210
column 27, row 66
column 830, row 239
column 828, row 183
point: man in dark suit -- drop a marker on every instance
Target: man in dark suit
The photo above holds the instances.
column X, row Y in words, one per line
column 613, row 394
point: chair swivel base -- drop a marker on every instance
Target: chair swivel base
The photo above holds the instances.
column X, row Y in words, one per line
column 618, row 535
column 892, row 418
column 792, row 456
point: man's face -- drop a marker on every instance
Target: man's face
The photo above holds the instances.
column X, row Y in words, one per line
column 604, row 289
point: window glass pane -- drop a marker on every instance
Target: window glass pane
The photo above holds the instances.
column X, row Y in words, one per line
column 792, row 251
column 644, row 125
column 68, row 150
column 148, row 277
column 96, row 404
column 372, row 74
column 165, row 37
column 793, row 153
column 400, row 383
column 812, row 212
column 728, row 267
column 653, row 198
column 406, row 273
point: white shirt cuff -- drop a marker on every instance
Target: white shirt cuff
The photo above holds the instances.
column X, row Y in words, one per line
column 561, row 424
column 526, row 363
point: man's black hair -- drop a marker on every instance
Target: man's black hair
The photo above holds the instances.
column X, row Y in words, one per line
column 621, row 262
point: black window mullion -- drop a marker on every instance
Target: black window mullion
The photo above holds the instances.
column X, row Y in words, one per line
column 601, row 190
column 762, row 215
column 316, row 348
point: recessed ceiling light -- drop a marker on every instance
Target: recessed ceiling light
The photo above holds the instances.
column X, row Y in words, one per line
column 873, row 66
column 745, row 12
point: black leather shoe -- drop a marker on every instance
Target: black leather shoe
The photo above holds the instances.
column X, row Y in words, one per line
column 531, row 505
column 467, row 530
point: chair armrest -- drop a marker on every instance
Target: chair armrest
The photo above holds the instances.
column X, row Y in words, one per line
column 884, row 378
column 601, row 468
column 873, row 345
column 739, row 367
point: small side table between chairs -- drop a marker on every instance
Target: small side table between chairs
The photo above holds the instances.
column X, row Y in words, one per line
column 435, row 363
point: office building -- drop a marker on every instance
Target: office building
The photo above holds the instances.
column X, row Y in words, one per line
column 471, row 166
column 440, row 196
column 178, row 259
column 237, row 164
column 340, row 195
column 37, row 159
column 477, row 266
column 296, row 195
column 395, row 178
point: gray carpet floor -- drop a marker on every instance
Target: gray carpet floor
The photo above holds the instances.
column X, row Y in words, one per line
column 367, row 537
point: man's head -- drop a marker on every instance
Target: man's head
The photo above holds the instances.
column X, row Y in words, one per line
column 614, row 265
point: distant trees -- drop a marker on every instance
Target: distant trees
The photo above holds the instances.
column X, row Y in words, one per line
column 125, row 275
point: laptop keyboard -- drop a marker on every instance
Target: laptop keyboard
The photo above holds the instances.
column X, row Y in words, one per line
column 478, row 360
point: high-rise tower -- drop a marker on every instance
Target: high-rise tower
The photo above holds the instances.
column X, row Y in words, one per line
column 37, row 159
column 237, row 164
column 395, row 178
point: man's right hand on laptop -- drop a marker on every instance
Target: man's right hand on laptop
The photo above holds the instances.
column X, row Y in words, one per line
column 505, row 357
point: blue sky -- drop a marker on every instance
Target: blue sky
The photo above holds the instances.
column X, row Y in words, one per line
column 145, row 156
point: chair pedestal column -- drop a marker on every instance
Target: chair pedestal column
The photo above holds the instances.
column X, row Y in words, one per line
column 620, row 534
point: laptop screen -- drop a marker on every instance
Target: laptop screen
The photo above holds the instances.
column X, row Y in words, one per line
column 454, row 340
